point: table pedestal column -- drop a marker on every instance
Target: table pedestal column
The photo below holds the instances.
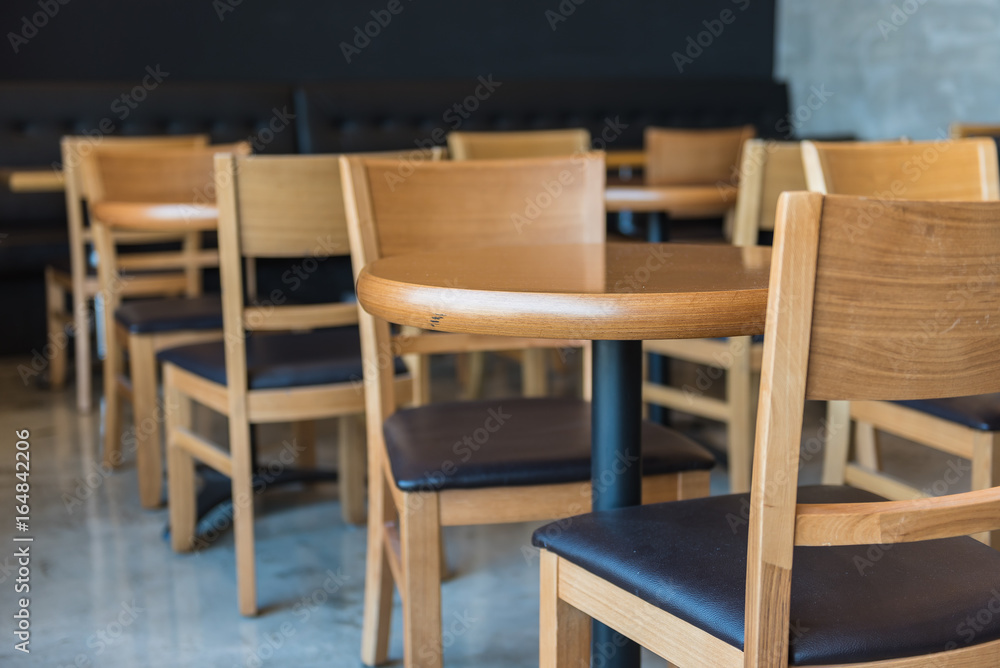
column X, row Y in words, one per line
column 616, row 462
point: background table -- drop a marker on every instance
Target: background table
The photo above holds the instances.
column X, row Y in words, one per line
column 613, row 294
column 26, row 180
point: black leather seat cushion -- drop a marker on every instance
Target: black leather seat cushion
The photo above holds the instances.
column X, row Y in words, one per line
column 168, row 315
column 849, row 604
column 980, row 411
column 320, row 357
column 507, row 442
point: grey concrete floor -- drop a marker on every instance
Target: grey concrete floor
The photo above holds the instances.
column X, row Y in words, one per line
column 107, row 591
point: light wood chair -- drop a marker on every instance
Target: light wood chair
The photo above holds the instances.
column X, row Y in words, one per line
column 817, row 575
column 768, row 168
column 455, row 204
column 963, row 169
column 966, row 130
column 143, row 197
column 74, row 280
column 280, row 361
column 497, row 146
column 687, row 156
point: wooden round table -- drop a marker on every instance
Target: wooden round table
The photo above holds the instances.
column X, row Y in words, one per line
column 676, row 201
column 616, row 295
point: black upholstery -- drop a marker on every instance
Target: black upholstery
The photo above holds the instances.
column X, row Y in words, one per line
column 281, row 360
column 849, row 604
column 147, row 316
column 506, row 442
column 980, row 411
column 388, row 115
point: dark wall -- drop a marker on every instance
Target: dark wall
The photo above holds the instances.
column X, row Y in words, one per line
column 295, row 40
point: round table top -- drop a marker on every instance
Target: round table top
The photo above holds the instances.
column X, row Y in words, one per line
column 155, row 217
column 627, row 291
column 677, row 201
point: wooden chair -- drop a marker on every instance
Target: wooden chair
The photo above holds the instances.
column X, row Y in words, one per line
column 75, row 278
column 768, row 168
column 967, row 426
column 966, row 130
column 497, row 146
column 685, row 156
column 141, row 197
column 415, row 486
column 280, row 361
column 817, row 575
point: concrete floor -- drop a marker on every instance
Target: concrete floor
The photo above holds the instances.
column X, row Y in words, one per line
column 107, row 591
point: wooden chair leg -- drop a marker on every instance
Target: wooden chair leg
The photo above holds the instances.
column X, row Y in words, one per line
column 986, row 473
column 534, row 373
column 377, row 616
column 55, row 308
column 476, row 374
column 304, row 436
column 564, row 631
column 180, row 469
column 113, row 363
column 420, row 369
column 866, row 446
column 351, row 468
column 81, row 333
column 741, row 415
column 420, row 545
column 149, row 452
column 243, row 501
column 838, row 440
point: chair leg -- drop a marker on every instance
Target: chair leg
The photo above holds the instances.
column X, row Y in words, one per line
column 304, row 436
column 867, row 447
column 81, row 333
column 740, row 430
column 55, row 307
column 181, row 491
column 113, row 364
column 838, row 440
column 476, row 362
column 149, row 452
column 243, row 501
column 420, row 544
column 351, row 468
column 564, row 631
column 534, row 372
column 378, row 577
column 986, row 473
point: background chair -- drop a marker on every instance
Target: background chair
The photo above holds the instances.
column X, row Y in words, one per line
column 269, row 207
column 461, row 205
column 966, row 130
column 75, row 278
column 496, row 146
column 693, row 156
column 131, row 194
column 767, row 169
column 964, row 426
column 842, row 578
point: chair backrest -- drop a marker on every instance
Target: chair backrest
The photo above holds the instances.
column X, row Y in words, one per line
column 960, row 169
column 848, row 319
column 964, row 130
column 529, row 144
column 681, row 156
column 768, row 168
column 530, row 201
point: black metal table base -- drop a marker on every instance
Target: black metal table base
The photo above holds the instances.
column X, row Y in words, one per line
column 616, row 463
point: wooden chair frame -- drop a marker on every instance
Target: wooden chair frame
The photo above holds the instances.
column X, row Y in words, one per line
column 810, row 352
column 404, row 528
column 964, row 169
column 77, row 284
column 268, row 207
column 767, row 169
column 171, row 176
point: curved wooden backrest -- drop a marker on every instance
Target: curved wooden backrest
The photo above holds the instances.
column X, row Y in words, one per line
column 963, row 130
column 767, row 169
column 182, row 175
column 908, row 309
column 676, row 156
column 529, row 144
column 960, row 169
